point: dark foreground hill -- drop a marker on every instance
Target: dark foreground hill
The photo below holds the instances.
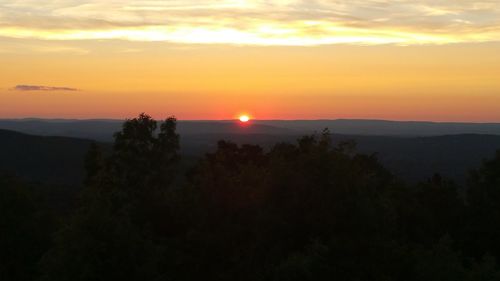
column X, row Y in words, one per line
column 45, row 159
column 414, row 159
column 60, row 159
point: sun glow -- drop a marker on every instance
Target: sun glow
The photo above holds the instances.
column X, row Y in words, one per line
column 244, row 118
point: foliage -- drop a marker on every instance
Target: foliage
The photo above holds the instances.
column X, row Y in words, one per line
column 312, row 210
column 111, row 236
column 25, row 227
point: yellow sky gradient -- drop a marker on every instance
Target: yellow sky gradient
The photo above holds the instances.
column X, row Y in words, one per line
column 214, row 60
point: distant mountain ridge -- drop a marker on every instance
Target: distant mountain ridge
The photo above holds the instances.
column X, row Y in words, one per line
column 103, row 129
column 388, row 128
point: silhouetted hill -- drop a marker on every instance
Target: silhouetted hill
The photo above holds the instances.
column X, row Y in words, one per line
column 229, row 127
column 102, row 130
column 414, row 159
column 45, row 159
column 387, row 128
column 411, row 158
column 60, row 159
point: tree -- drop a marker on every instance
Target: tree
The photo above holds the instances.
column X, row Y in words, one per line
column 113, row 234
column 24, row 230
column 257, row 209
column 483, row 197
column 431, row 210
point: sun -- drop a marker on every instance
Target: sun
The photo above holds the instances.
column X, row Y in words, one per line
column 244, row 118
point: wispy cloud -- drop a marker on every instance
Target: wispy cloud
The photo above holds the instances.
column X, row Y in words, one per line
column 257, row 22
column 24, row 88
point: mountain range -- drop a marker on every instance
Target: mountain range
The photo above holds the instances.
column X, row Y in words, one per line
column 53, row 150
column 103, row 129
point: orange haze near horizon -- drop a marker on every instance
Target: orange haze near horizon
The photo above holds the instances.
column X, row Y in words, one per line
column 440, row 83
column 276, row 59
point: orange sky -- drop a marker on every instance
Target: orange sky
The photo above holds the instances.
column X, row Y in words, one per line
column 453, row 78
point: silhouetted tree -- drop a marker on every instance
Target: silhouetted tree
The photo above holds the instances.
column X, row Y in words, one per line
column 25, row 228
column 260, row 207
column 430, row 211
column 112, row 236
column 94, row 164
column 483, row 197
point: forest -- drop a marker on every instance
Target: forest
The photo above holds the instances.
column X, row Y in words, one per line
column 315, row 209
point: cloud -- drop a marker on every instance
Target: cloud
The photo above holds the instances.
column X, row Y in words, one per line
column 25, row 88
column 255, row 22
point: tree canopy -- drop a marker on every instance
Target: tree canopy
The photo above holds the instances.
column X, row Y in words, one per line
column 310, row 210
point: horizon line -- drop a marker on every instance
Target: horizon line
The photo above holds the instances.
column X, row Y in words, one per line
column 255, row 120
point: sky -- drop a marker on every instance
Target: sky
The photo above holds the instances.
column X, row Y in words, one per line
column 278, row 59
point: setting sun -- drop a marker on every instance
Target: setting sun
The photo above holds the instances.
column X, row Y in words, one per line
column 244, row 118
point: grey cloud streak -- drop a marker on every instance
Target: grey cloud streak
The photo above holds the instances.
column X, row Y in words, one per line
column 25, row 88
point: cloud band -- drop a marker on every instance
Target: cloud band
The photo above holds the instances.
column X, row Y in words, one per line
column 24, row 88
column 273, row 22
